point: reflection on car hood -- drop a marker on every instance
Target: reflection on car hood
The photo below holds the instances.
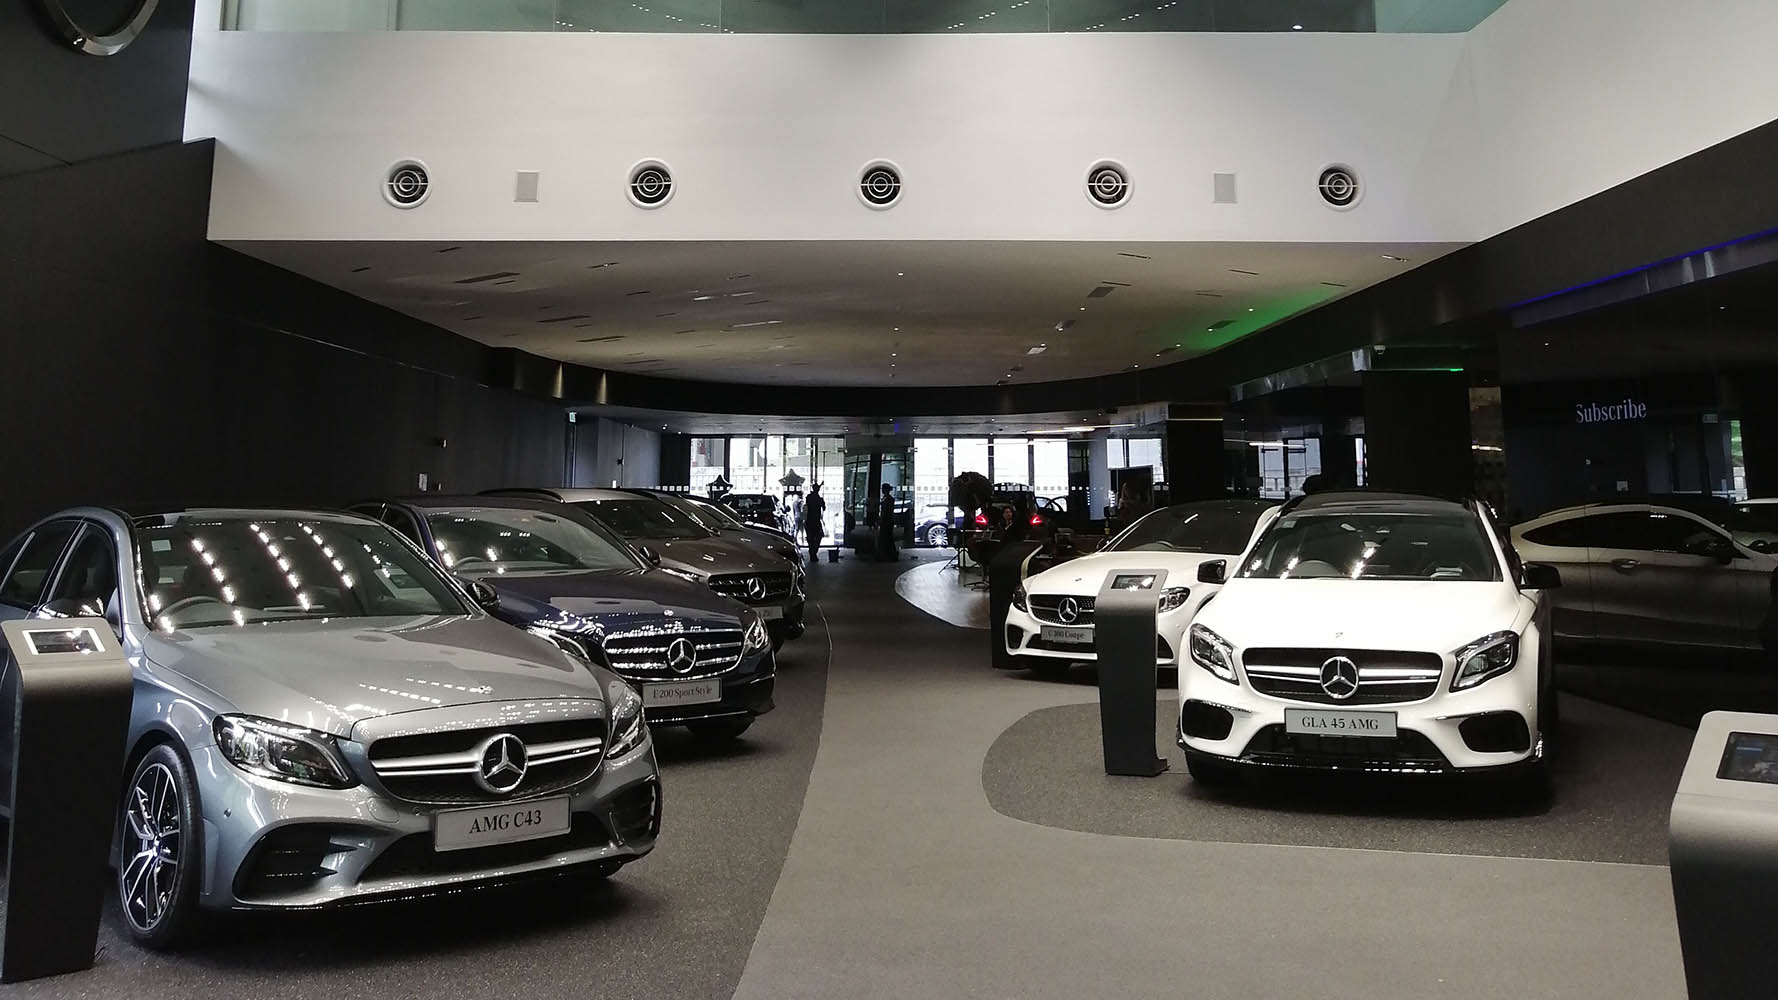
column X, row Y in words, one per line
column 771, row 541
column 709, row 556
column 1436, row 616
column 604, row 603
column 330, row 674
column 1086, row 575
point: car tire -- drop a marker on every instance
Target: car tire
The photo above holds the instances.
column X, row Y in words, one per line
column 160, row 852
column 937, row 537
column 1210, row 771
column 719, row 731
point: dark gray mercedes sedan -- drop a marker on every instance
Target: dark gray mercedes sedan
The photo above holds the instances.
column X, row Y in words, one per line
column 322, row 716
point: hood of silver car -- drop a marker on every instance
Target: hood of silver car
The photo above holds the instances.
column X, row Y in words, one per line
column 330, row 674
column 709, row 556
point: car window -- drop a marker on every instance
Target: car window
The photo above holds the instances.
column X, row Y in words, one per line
column 207, row 569
column 11, row 552
column 24, row 584
column 495, row 541
column 1622, row 530
column 89, row 575
column 644, row 518
column 1191, row 528
column 1375, row 545
column 1668, row 532
column 1570, row 533
column 404, row 523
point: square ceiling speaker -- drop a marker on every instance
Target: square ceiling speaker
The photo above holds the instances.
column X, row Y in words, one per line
column 526, row 188
column 1223, row 188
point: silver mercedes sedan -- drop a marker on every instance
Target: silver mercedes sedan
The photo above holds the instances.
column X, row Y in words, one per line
column 323, row 717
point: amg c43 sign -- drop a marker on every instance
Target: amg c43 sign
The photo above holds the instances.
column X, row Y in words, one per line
column 1607, row 413
column 100, row 39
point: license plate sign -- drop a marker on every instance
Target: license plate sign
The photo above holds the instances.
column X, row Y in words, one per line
column 1325, row 722
column 507, row 823
column 1066, row 636
column 681, row 693
column 770, row 612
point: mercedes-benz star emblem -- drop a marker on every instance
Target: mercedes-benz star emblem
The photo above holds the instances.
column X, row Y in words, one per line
column 1068, row 610
column 110, row 42
column 502, row 764
column 756, row 588
column 1339, row 677
column 682, row 656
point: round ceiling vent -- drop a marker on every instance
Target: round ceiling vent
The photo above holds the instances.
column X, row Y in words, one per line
column 407, row 184
column 879, row 184
column 651, row 184
column 1339, row 186
column 1108, row 184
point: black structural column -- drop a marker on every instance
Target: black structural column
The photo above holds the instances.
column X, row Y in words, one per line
column 1416, row 432
column 1194, row 459
column 1124, row 637
column 1005, row 572
column 71, row 718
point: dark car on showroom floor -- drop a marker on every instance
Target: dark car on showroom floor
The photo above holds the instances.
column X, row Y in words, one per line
column 700, row 659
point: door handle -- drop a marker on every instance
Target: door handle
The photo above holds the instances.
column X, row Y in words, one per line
column 1625, row 565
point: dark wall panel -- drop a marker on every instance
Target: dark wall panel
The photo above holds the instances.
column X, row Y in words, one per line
column 63, row 105
column 145, row 367
column 1417, row 436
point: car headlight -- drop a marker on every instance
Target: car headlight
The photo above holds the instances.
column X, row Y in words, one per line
column 628, row 728
column 286, row 753
column 575, row 649
column 1174, row 598
column 755, row 638
column 1019, row 600
column 1489, row 656
column 681, row 574
column 1212, row 652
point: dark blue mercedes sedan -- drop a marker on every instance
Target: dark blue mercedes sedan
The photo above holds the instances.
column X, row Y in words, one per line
column 700, row 659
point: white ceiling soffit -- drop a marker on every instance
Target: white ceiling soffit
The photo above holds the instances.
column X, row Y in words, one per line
column 901, row 313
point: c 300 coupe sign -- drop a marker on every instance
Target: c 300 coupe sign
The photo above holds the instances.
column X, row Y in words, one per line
column 108, row 42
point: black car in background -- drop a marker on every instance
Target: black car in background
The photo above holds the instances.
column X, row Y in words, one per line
column 762, row 509
column 720, row 519
column 700, row 659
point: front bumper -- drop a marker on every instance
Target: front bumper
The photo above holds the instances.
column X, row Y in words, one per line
column 275, row 845
column 790, row 623
column 1492, row 725
column 746, row 694
column 1023, row 635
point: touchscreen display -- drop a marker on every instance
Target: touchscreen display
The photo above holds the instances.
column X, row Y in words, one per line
column 1750, row 757
column 1132, row 581
column 63, row 640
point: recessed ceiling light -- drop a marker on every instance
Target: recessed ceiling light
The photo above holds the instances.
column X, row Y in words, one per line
column 1249, row 308
column 1399, row 260
column 1083, row 308
column 1296, row 27
column 1039, row 349
column 894, row 355
column 901, row 274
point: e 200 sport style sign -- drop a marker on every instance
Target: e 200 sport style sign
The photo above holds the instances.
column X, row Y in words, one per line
column 100, row 43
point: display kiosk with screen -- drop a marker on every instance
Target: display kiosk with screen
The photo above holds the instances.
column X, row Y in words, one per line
column 1723, row 851
column 1124, row 633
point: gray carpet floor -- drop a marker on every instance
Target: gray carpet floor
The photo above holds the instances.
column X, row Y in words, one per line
column 678, row 923
column 1614, row 775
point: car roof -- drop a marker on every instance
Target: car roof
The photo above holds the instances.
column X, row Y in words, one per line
column 1379, row 500
column 241, row 513
column 438, row 501
column 565, row 494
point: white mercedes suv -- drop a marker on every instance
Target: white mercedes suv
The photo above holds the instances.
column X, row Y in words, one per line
column 1050, row 623
column 1371, row 631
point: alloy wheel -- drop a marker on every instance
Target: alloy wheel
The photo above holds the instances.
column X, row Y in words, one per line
column 152, row 849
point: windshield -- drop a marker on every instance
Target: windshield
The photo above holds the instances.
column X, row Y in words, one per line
column 1191, row 528
column 494, row 541
column 1375, row 545
column 706, row 517
column 644, row 518
column 238, row 569
column 1755, row 517
column 752, row 505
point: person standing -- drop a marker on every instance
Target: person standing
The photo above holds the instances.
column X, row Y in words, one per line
column 886, row 525
column 814, row 516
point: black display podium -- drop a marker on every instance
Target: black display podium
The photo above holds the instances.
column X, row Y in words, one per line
column 1124, row 627
column 70, row 724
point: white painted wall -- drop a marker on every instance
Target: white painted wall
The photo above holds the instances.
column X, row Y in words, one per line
column 766, row 133
column 1576, row 96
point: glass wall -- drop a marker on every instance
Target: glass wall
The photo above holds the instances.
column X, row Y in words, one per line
column 1049, row 469
column 857, row 16
column 969, row 455
column 747, row 464
column 709, row 459
column 1012, row 462
column 932, row 478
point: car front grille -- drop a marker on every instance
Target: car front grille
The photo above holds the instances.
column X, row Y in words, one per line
column 741, row 586
column 644, row 654
column 1405, row 751
column 1047, row 608
column 1385, row 677
column 441, row 768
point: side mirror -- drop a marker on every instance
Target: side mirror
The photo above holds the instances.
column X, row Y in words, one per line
column 1538, row 576
column 647, row 552
column 1760, row 545
column 484, row 596
column 1213, row 571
